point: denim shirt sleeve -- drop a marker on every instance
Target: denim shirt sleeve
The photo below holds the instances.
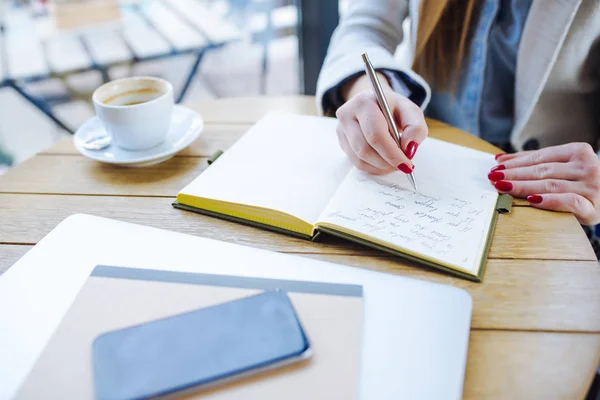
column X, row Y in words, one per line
column 399, row 81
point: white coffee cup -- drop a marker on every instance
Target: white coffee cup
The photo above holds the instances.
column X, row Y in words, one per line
column 136, row 112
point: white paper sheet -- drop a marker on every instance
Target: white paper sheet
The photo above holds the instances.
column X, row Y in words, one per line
column 286, row 162
column 447, row 220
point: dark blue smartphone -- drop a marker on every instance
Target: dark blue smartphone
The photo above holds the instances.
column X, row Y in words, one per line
column 200, row 348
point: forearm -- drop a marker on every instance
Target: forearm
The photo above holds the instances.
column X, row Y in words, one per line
column 368, row 26
column 361, row 84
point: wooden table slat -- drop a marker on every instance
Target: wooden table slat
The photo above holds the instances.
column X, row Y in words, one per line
column 516, row 294
column 10, row 254
column 27, row 218
column 79, row 175
column 107, row 46
column 66, row 53
column 530, row 365
column 214, row 137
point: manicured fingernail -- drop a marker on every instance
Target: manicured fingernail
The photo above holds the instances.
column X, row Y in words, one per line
column 498, row 167
column 411, row 149
column 496, row 176
column 503, row 186
column 534, row 199
column 499, row 155
column 405, row 168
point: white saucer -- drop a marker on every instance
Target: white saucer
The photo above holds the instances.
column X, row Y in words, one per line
column 186, row 126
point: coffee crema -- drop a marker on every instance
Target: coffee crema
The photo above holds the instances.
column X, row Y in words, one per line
column 132, row 103
column 154, row 93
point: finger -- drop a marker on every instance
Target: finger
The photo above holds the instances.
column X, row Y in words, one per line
column 501, row 157
column 547, row 155
column 376, row 132
column 526, row 188
column 357, row 162
column 411, row 123
column 567, row 202
column 566, row 171
column 361, row 148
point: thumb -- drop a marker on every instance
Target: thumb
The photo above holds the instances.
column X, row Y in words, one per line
column 412, row 137
column 411, row 124
column 581, row 207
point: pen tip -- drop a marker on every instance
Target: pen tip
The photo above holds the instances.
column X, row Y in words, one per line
column 413, row 182
column 365, row 57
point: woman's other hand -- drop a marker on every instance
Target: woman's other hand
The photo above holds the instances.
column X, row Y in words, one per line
column 364, row 134
column 559, row 178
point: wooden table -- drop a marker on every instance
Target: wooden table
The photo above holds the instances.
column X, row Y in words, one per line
column 536, row 317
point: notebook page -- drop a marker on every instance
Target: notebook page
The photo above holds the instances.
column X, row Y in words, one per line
column 446, row 221
column 286, row 162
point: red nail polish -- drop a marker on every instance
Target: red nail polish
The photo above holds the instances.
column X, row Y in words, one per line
column 496, row 176
column 534, row 199
column 498, row 167
column 503, row 186
column 405, row 168
column 499, row 155
column 411, row 149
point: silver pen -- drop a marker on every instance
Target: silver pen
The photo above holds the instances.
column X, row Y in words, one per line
column 385, row 108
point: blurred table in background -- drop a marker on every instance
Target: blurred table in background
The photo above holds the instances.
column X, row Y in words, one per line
column 76, row 36
column 535, row 331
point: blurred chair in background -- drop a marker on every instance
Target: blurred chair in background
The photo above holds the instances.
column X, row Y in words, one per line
column 262, row 21
column 80, row 36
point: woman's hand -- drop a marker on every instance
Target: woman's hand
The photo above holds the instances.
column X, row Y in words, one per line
column 559, row 178
column 364, row 134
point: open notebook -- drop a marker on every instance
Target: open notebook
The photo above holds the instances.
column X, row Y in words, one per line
column 289, row 174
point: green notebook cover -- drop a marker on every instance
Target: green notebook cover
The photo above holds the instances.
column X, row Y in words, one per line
column 503, row 205
column 244, row 221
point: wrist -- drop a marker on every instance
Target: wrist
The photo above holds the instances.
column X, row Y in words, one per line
column 361, row 84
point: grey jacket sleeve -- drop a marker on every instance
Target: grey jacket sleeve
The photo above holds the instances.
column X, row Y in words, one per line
column 375, row 27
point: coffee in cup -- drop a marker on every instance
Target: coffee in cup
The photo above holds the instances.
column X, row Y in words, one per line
column 136, row 112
